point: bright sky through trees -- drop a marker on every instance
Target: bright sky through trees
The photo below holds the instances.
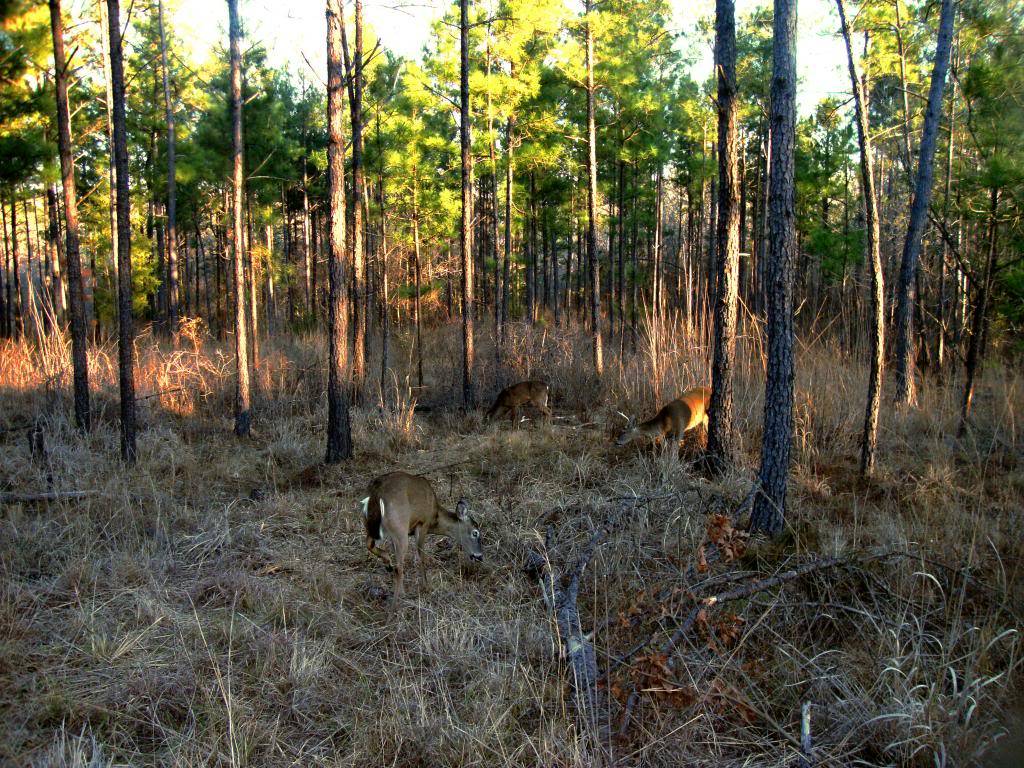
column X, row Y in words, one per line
column 294, row 30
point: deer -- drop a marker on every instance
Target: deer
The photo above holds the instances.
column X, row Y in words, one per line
column 399, row 505
column 678, row 417
column 523, row 393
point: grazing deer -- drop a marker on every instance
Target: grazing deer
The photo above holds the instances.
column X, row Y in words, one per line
column 399, row 505
column 523, row 393
column 681, row 415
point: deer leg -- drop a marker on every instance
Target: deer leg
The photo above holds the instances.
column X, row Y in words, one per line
column 401, row 544
column 421, row 537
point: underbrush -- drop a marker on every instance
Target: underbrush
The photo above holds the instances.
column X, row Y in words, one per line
column 215, row 604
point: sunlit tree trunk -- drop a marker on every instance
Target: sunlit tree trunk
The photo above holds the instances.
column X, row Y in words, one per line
column 595, row 278
column 112, row 168
column 468, row 388
column 79, row 322
column 126, row 330
column 721, row 434
column 360, row 310
column 769, row 510
column 903, row 372
column 339, row 431
column 243, row 396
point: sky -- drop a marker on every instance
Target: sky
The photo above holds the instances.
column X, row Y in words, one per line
column 294, row 34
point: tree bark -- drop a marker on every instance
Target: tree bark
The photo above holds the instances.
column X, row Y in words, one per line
column 595, row 278
column 721, row 432
column 904, row 353
column 502, row 309
column 79, row 321
column 769, row 510
column 172, row 185
column 869, row 435
column 243, row 397
column 360, row 310
column 385, row 314
column 126, row 330
column 468, row 393
column 975, row 348
column 339, row 430
column 416, row 269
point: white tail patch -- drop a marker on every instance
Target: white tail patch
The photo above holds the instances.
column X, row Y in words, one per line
column 366, row 506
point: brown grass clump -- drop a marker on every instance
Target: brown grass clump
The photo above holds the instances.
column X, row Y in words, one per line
column 215, row 604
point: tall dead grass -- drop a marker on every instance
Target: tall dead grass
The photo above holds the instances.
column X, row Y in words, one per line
column 214, row 604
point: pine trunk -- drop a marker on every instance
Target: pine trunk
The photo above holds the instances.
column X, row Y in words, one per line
column 869, row 436
column 903, row 372
column 79, row 321
column 126, row 331
column 468, row 393
column 595, row 279
column 721, row 434
column 769, row 510
column 243, row 397
column 172, row 194
column 339, row 430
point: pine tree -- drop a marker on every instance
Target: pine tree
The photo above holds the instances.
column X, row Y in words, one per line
column 79, row 330
column 243, row 396
column 126, row 327
column 339, row 430
column 903, row 371
column 721, row 434
column 769, row 510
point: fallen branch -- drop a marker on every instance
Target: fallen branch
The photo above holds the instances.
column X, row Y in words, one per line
column 738, row 593
column 33, row 498
column 560, row 595
column 158, row 394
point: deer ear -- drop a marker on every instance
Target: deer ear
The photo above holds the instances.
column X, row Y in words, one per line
column 462, row 510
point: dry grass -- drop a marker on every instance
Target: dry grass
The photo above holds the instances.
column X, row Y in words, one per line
column 215, row 604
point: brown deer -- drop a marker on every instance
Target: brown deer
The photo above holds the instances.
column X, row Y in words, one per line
column 523, row 393
column 680, row 416
column 399, row 505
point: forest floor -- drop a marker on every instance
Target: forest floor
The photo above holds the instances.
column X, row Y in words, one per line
column 215, row 603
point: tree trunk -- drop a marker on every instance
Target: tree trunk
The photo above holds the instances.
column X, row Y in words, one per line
column 595, row 278
column 416, row 270
column 502, row 309
column 112, row 167
column 172, row 194
column 869, row 436
column 339, row 430
column 904, row 352
column 975, row 348
column 721, row 433
column 79, row 322
column 385, row 316
column 271, row 307
column 359, row 313
column 58, row 254
column 769, row 510
column 126, row 331
column 243, row 401
column 468, row 393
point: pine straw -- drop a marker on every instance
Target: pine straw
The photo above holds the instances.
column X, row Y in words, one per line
column 215, row 604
